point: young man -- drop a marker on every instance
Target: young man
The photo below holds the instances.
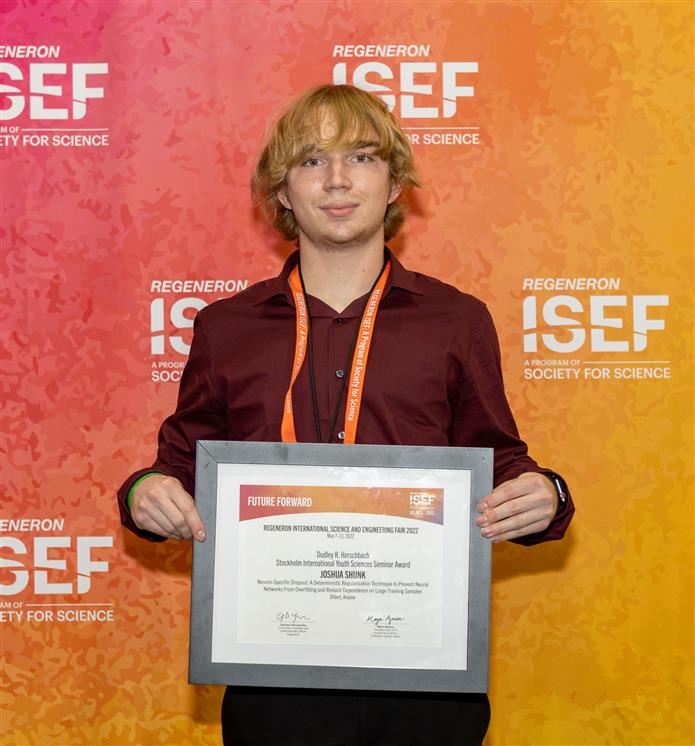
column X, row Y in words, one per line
column 332, row 176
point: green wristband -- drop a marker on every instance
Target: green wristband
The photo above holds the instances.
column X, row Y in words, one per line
column 129, row 498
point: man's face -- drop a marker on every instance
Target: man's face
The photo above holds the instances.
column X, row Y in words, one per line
column 339, row 197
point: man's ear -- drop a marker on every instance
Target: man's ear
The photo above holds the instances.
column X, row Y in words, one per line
column 396, row 189
column 282, row 198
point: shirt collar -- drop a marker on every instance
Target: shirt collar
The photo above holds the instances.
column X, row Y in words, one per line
column 402, row 278
column 278, row 286
column 399, row 277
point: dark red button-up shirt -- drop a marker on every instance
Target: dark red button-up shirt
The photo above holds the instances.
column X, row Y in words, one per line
column 433, row 378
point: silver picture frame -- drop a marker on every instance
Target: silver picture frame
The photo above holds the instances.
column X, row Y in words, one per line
column 280, row 665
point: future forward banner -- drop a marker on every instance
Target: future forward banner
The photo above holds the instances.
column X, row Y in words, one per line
column 554, row 146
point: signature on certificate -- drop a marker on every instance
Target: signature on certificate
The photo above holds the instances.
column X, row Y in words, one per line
column 384, row 621
column 291, row 617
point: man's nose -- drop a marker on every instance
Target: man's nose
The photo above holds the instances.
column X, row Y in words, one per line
column 337, row 176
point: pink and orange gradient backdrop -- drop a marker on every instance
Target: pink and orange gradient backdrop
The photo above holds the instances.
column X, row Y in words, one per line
column 583, row 168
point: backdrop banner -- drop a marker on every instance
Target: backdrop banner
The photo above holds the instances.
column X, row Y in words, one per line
column 555, row 148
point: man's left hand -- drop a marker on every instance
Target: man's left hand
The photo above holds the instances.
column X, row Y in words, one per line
column 521, row 506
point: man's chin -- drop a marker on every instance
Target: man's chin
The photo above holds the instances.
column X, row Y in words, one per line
column 344, row 239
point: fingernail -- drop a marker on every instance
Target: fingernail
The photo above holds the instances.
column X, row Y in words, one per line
column 486, row 532
column 482, row 507
column 200, row 535
column 481, row 521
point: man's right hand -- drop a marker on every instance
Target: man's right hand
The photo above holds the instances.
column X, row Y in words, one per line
column 161, row 505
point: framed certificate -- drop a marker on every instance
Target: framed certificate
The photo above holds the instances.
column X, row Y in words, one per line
column 341, row 567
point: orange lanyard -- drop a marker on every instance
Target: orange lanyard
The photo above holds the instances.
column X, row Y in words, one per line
column 359, row 357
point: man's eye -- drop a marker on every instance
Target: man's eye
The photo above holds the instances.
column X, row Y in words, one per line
column 311, row 162
column 363, row 158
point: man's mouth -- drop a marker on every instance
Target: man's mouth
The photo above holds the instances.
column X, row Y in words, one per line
column 339, row 209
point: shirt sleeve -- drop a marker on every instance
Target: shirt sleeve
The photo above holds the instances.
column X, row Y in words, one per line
column 483, row 418
column 200, row 415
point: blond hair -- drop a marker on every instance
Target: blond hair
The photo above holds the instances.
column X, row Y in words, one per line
column 357, row 117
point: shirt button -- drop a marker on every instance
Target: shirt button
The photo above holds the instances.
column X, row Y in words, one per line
column 340, row 373
column 341, row 435
column 338, row 321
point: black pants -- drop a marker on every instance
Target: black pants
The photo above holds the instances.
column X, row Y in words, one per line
column 258, row 716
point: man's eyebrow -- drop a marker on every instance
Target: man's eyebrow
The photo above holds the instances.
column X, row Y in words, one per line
column 365, row 144
column 312, row 150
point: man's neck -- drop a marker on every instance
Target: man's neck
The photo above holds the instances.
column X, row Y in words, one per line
column 338, row 276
